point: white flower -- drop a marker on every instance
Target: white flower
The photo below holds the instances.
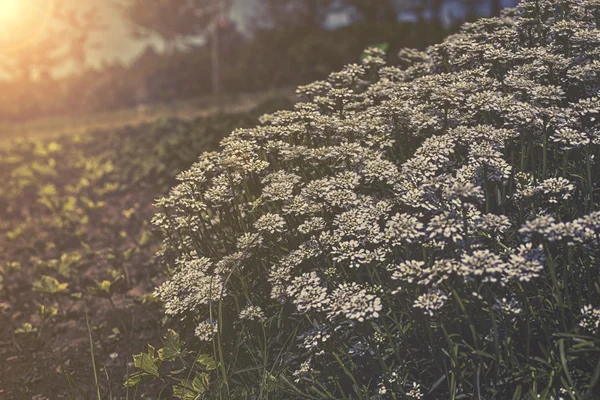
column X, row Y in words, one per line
column 570, row 138
column 305, row 369
column 403, row 229
column 430, row 302
column 252, row 313
column 354, row 303
column 271, row 223
column 415, row 391
column 462, row 168
column 510, row 307
column 206, row 330
column 590, row 319
column 307, row 293
column 315, row 338
column 190, row 289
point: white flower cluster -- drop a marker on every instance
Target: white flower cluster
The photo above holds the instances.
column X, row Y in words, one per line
column 590, row 319
column 509, row 307
column 315, row 337
column 191, row 287
column 206, row 330
column 431, row 302
column 252, row 313
column 354, row 303
column 389, row 188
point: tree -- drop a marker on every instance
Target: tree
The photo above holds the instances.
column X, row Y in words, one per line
column 496, row 7
column 81, row 24
column 283, row 14
column 65, row 36
column 314, row 13
column 177, row 21
column 38, row 58
column 373, row 11
column 172, row 21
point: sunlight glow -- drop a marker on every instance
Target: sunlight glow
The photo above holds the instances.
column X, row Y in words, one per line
column 10, row 10
column 21, row 22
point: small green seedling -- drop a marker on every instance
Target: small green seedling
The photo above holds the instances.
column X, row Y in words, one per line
column 25, row 329
column 49, row 285
column 104, row 289
column 46, row 312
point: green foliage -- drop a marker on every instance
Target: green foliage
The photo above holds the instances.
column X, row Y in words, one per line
column 49, row 285
column 181, row 367
column 173, row 347
column 75, row 227
column 192, row 390
column 104, row 289
column 26, row 329
column 426, row 230
column 46, row 312
column 64, row 265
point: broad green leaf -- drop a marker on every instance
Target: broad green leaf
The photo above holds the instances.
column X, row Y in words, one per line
column 147, row 362
column 191, row 391
column 200, row 382
column 136, row 378
column 173, row 346
column 50, row 285
column 207, row 361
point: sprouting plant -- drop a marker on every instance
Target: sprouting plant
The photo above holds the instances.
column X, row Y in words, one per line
column 50, row 285
column 65, row 264
column 26, row 329
column 104, row 289
column 46, row 312
column 188, row 376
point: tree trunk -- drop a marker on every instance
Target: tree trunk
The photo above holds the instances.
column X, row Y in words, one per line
column 215, row 53
column 496, row 7
column 436, row 11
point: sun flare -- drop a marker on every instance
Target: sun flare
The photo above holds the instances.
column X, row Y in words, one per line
column 10, row 11
column 21, row 22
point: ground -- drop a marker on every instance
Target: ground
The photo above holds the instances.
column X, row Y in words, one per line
column 77, row 250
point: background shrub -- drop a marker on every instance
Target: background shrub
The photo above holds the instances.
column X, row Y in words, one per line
column 426, row 230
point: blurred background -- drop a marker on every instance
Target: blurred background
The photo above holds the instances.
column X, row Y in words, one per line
column 66, row 58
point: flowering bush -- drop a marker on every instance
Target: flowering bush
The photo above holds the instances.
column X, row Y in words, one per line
column 427, row 230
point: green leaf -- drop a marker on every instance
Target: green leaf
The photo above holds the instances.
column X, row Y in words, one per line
column 50, row 285
column 192, row 391
column 105, row 285
column 207, row 361
column 26, row 328
column 437, row 383
column 136, row 378
column 483, row 354
column 173, row 346
column 517, row 394
column 103, row 289
column 200, row 382
column 147, row 362
column 145, row 238
column 46, row 311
